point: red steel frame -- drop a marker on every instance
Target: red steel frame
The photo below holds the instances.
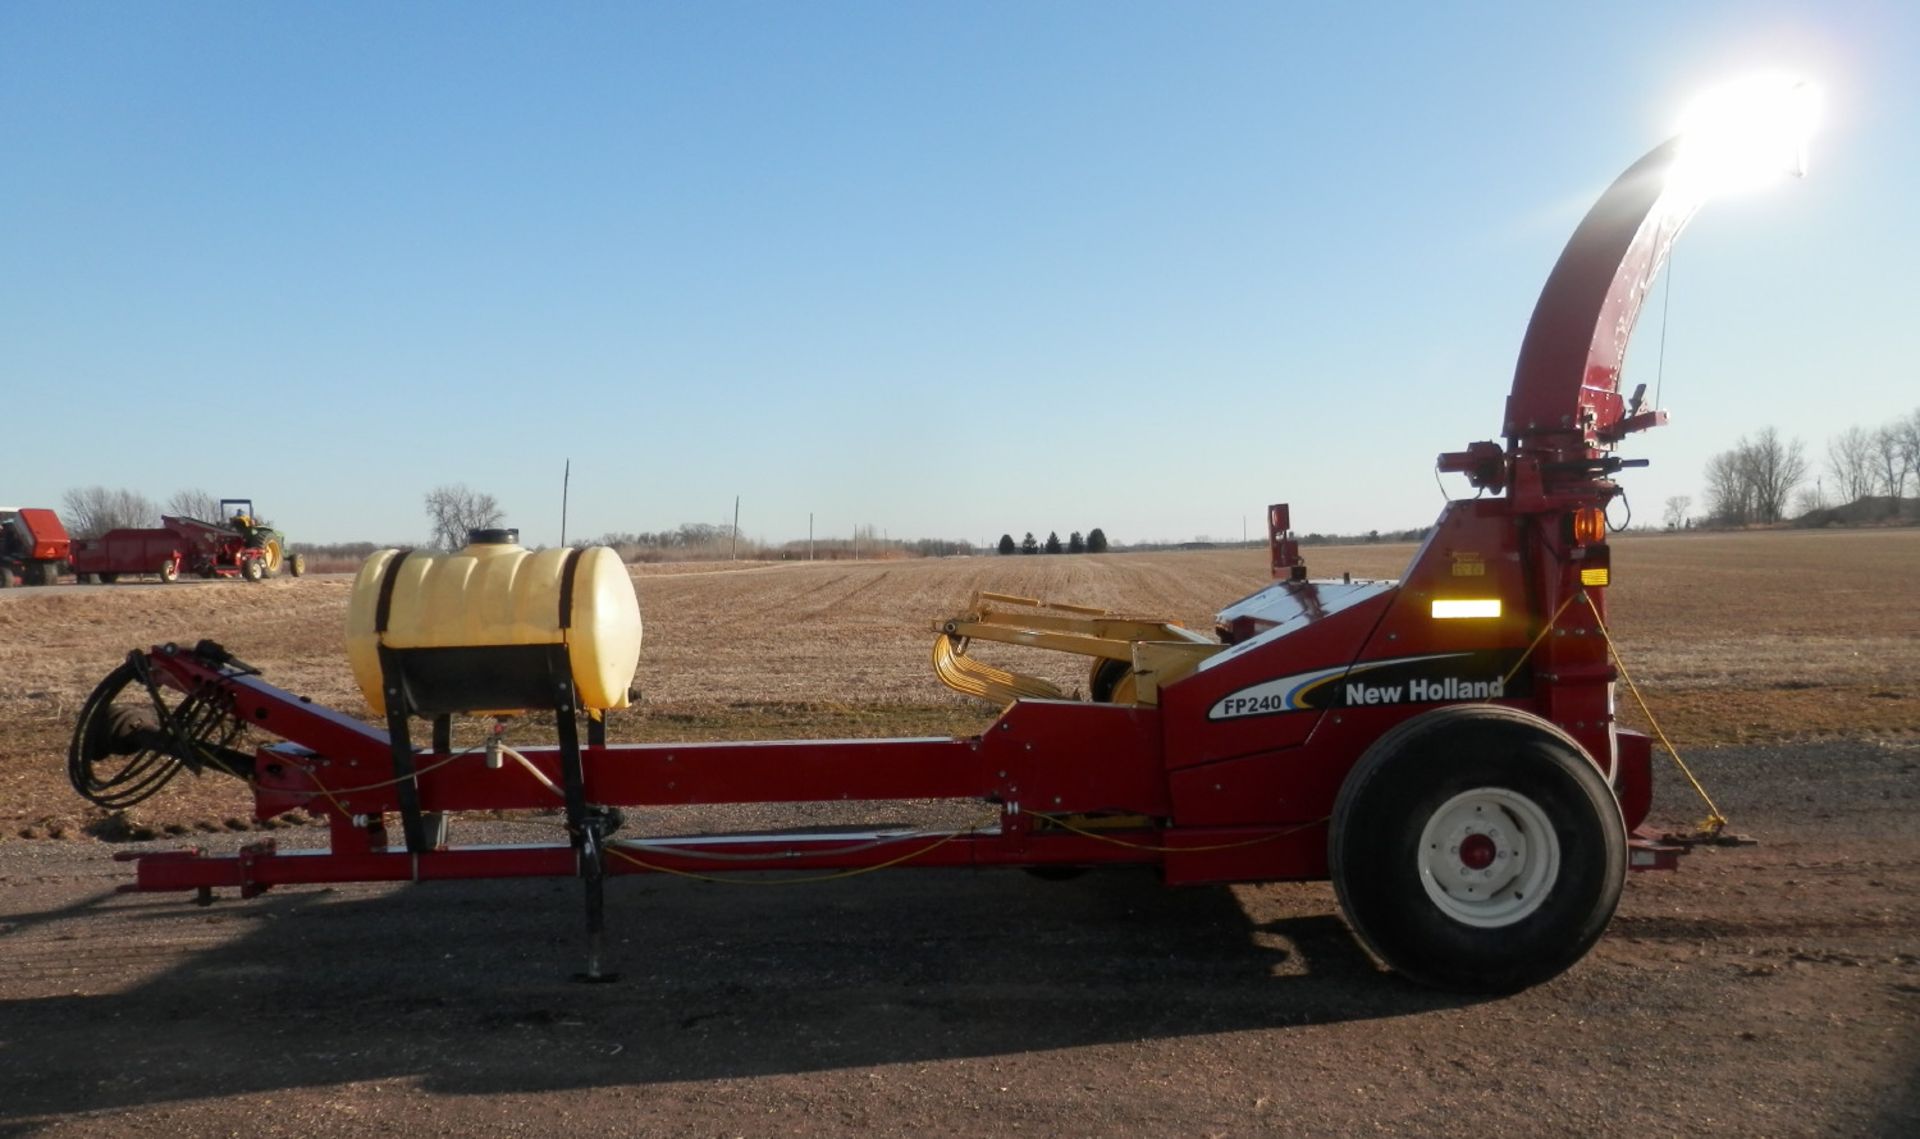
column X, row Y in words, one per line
column 1204, row 793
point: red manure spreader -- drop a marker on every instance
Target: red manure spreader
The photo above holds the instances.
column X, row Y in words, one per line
column 236, row 547
column 1443, row 747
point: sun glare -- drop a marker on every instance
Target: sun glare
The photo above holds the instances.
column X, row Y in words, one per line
column 1747, row 134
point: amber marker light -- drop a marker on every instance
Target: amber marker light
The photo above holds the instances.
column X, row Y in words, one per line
column 1589, row 526
column 1595, row 576
column 1461, row 608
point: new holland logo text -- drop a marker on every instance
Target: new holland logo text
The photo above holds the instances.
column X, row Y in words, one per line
column 1434, row 679
column 1425, row 691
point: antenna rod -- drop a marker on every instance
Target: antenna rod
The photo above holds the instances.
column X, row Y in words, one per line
column 566, row 481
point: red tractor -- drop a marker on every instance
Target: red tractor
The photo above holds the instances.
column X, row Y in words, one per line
column 1442, row 747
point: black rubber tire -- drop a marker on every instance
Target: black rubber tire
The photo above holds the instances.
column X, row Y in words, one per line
column 43, row 573
column 1105, row 677
column 109, row 578
column 169, row 571
column 296, row 564
column 6, row 578
column 89, row 579
column 254, row 569
column 1406, row 779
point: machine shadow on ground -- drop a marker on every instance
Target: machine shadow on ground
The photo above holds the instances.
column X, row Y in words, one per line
column 465, row 987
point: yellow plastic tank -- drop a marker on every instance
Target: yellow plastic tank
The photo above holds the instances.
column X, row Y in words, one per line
column 494, row 593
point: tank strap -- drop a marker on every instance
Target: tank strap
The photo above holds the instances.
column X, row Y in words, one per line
column 389, row 578
column 566, row 586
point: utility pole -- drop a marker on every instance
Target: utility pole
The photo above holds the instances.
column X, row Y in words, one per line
column 809, row 535
column 734, row 554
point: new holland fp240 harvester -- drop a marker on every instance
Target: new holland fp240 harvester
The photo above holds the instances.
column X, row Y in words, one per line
column 1443, row 747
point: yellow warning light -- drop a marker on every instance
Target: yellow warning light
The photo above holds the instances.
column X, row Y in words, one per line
column 1589, row 526
column 1594, row 576
column 1461, row 608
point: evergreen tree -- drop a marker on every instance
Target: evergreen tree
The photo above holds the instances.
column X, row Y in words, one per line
column 1096, row 541
column 1076, row 544
column 1053, row 542
column 1006, row 543
column 1029, row 546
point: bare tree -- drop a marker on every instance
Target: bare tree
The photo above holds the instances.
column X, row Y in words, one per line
column 1754, row 482
column 454, row 510
column 1908, row 430
column 195, row 503
column 1677, row 510
column 1890, row 461
column 1773, row 468
column 1729, row 498
column 1850, row 461
column 94, row 510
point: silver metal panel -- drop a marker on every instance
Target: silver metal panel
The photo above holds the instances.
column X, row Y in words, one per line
column 1292, row 606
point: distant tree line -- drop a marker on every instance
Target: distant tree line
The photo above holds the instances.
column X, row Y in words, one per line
column 348, row 554
column 1316, row 538
column 1876, row 463
column 686, row 536
column 90, row 511
column 1416, row 534
column 1754, row 482
column 705, row 541
column 1094, row 543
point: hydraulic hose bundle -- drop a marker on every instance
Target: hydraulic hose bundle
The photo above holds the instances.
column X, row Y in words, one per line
column 123, row 753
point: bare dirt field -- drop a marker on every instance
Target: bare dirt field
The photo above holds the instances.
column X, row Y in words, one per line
column 1772, row 989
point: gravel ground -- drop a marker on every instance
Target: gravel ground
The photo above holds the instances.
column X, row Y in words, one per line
column 1772, row 989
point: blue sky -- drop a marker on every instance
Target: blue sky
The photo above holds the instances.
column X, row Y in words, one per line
column 943, row 269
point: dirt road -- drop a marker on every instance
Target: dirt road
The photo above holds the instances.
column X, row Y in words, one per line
column 1769, row 990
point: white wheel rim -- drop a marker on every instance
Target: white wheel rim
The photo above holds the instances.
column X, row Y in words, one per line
column 1488, row 857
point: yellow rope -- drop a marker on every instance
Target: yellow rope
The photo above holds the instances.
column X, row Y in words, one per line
column 1085, row 833
column 1544, row 630
column 943, row 840
column 215, row 762
column 614, row 849
column 395, row 781
column 1715, row 822
column 332, row 794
